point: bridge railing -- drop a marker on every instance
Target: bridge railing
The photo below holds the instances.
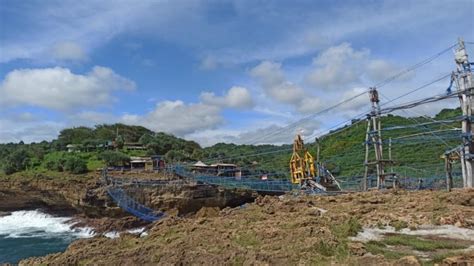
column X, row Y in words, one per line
column 131, row 206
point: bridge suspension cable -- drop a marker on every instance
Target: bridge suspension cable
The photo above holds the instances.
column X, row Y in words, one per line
column 415, row 66
column 294, row 125
column 378, row 85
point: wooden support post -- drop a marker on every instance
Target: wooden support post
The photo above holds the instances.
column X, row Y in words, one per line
column 390, row 153
column 366, row 162
column 448, row 166
column 318, row 163
column 374, row 135
column 378, row 157
column 465, row 87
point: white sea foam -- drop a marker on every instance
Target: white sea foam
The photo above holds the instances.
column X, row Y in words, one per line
column 112, row 234
column 37, row 224
column 447, row 231
column 136, row 230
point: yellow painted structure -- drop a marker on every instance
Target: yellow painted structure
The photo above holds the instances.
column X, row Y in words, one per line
column 301, row 162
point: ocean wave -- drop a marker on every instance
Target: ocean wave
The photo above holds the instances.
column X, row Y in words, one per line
column 20, row 224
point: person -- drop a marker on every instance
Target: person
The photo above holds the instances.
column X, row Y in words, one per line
column 420, row 184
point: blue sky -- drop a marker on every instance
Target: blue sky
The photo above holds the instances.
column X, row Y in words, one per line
column 214, row 70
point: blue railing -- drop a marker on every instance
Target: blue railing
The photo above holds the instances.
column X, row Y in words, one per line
column 133, row 207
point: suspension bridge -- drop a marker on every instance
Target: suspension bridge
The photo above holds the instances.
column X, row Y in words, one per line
column 445, row 136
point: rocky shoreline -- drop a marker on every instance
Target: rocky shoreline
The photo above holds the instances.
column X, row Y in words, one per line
column 86, row 199
column 290, row 230
column 209, row 225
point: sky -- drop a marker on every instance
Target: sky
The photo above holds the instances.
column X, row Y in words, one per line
column 218, row 71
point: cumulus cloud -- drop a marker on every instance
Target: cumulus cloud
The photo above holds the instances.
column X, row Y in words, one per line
column 273, row 81
column 178, row 117
column 236, row 97
column 68, row 50
column 378, row 70
column 58, row 88
column 310, row 105
column 341, row 66
column 269, row 133
column 92, row 118
column 337, row 67
column 181, row 118
column 277, row 87
column 277, row 134
column 27, row 129
column 358, row 101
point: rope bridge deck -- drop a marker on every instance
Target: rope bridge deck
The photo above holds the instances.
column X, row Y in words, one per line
column 131, row 206
column 244, row 182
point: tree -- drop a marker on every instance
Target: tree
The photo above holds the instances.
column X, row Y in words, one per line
column 75, row 165
column 175, row 156
column 114, row 158
column 55, row 164
column 146, row 139
column 75, row 135
column 16, row 161
column 119, row 141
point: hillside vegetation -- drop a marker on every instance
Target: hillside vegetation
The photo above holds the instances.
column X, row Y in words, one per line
column 342, row 151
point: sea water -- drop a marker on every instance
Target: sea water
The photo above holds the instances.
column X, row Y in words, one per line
column 24, row 234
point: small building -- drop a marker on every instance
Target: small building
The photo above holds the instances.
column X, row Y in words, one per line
column 73, row 148
column 141, row 163
column 158, row 162
column 218, row 169
column 134, row 146
column 227, row 169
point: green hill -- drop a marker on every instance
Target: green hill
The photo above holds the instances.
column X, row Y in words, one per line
column 342, row 151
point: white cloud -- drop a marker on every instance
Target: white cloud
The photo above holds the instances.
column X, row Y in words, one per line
column 208, row 63
column 273, row 81
column 264, row 133
column 276, row 86
column 58, row 88
column 178, row 118
column 310, row 105
column 30, row 130
column 236, row 97
column 68, row 50
column 337, row 67
column 341, row 66
column 378, row 70
column 358, row 101
column 92, row 118
column 252, row 32
column 277, row 134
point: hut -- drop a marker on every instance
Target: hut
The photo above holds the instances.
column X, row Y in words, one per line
column 141, row 163
column 218, row 169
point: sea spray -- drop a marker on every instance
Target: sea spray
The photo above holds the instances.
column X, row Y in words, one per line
column 33, row 233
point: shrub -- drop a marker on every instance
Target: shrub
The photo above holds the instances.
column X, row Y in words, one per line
column 114, row 158
column 54, row 164
column 16, row 161
column 75, row 165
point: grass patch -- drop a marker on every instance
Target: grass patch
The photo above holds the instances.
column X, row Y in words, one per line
column 325, row 249
column 350, row 228
column 376, row 248
column 238, row 261
column 438, row 258
column 399, row 225
column 247, row 240
column 421, row 244
column 342, row 231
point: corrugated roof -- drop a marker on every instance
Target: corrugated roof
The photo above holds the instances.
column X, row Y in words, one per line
column 201, row 164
